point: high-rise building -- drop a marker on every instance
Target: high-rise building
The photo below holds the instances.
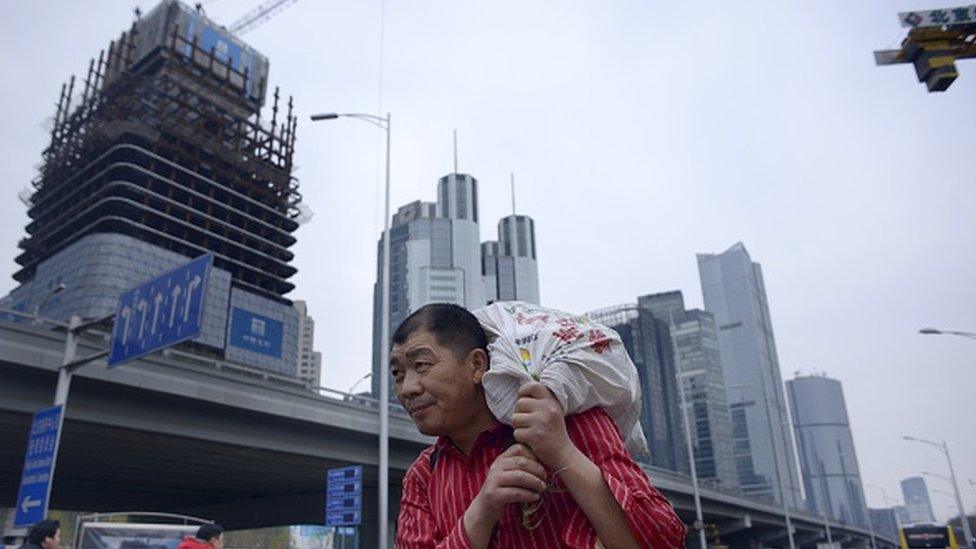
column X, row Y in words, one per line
column 509, row 267
column 309, row 360
column 435, row 257
column 733, row 289
column 918, row 506
column 885, row 522
column 901, row 513
column 828, row 462
column 648, row 342
column 165, row 157
column 699, row 367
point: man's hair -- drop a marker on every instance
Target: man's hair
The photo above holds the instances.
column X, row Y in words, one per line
column 43, row 530
column 453, row 326
column 210, row 531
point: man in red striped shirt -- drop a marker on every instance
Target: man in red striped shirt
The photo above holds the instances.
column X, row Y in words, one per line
column 477, row 486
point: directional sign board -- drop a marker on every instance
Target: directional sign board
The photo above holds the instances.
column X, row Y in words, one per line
column 161, row 312
column 344, row 496
column 963, row 15
column 35, row 480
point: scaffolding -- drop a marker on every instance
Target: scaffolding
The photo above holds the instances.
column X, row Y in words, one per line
column 168, row 149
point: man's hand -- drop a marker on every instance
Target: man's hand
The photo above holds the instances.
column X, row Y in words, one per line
column 539, row 423
column 516, row 476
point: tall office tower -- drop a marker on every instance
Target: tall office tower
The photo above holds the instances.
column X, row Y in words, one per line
column 734, row 293
column 509, row 266
column 902, row 513
column 918, row 507
column 309, row 360
column 166, row 157
column 885, row 522
column 435, row 257
column 489, row 269
column 648, row 342
column 828, row 462
column 699, row 367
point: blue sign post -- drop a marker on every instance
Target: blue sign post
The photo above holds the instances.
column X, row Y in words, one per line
column 161, row 312
column 35, row 480
column 344, row 496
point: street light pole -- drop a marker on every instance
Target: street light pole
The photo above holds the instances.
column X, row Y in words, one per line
column 699, row 522
column 358, row 381
column 936, row 331
column 384, row 457
column 955, row 485
column 893, row 503
column 779, row 475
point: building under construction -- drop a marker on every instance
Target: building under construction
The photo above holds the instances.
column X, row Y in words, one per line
column 160, row 154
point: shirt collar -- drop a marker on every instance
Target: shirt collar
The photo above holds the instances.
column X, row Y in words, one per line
column 497, row 430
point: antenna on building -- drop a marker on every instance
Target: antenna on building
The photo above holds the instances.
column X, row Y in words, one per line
column 455, row 151
column 512, row 175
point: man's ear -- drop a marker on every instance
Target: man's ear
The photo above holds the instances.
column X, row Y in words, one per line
column 478, row 362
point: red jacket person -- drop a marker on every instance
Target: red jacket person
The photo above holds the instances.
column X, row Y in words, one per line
column 547, row 481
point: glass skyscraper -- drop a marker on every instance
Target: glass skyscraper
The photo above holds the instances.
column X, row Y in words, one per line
column 699, row 367
column 734, row 292
column 648, row 342
column 509, row 267
column 918, row 507
column 828, row 462
column 435, row 257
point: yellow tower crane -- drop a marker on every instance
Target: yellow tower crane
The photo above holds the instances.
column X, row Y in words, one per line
column 936, row 40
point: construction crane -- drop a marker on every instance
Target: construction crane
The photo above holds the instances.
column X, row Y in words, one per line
column 936, row 40
column 258, row 16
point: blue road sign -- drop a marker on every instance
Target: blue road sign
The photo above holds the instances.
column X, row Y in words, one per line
column 35, row 480
column 343, row 518
column 342, row 503
column 346, row 474
column 160, row 312
column 344, row 496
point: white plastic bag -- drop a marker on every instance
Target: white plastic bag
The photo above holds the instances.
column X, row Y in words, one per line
column 583, row 363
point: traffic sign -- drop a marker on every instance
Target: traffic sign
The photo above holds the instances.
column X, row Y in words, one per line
column 347, row 474
column 343, row 518
column 344, row 496
column 160, row 312
column 962, row 15
column 340, row 503
column 35, row 480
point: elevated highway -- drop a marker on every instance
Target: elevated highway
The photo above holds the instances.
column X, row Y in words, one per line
column 185, row 433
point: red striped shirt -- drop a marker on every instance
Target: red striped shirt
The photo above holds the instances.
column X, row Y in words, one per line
column 433, row 503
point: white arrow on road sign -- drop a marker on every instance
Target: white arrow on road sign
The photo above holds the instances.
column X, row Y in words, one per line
column 189, row 296
column 127, row 315
column 157, row 302
column 28, row 503
column 177, row 290
column 143, row 307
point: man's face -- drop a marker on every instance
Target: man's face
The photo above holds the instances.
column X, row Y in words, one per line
column 52, row 543
column 217, row 542
column 438, row 389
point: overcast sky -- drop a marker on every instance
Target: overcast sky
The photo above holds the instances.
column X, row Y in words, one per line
column 640, row 134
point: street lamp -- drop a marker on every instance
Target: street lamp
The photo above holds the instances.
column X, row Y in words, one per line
column 42, row 303
column 936, row 331
column 955, row 486
column 358, row 381
column 699, row 522
column 943, row 477
column 382, row 123
column 893, row 502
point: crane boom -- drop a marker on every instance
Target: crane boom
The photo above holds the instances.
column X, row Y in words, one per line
column 258, row 16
